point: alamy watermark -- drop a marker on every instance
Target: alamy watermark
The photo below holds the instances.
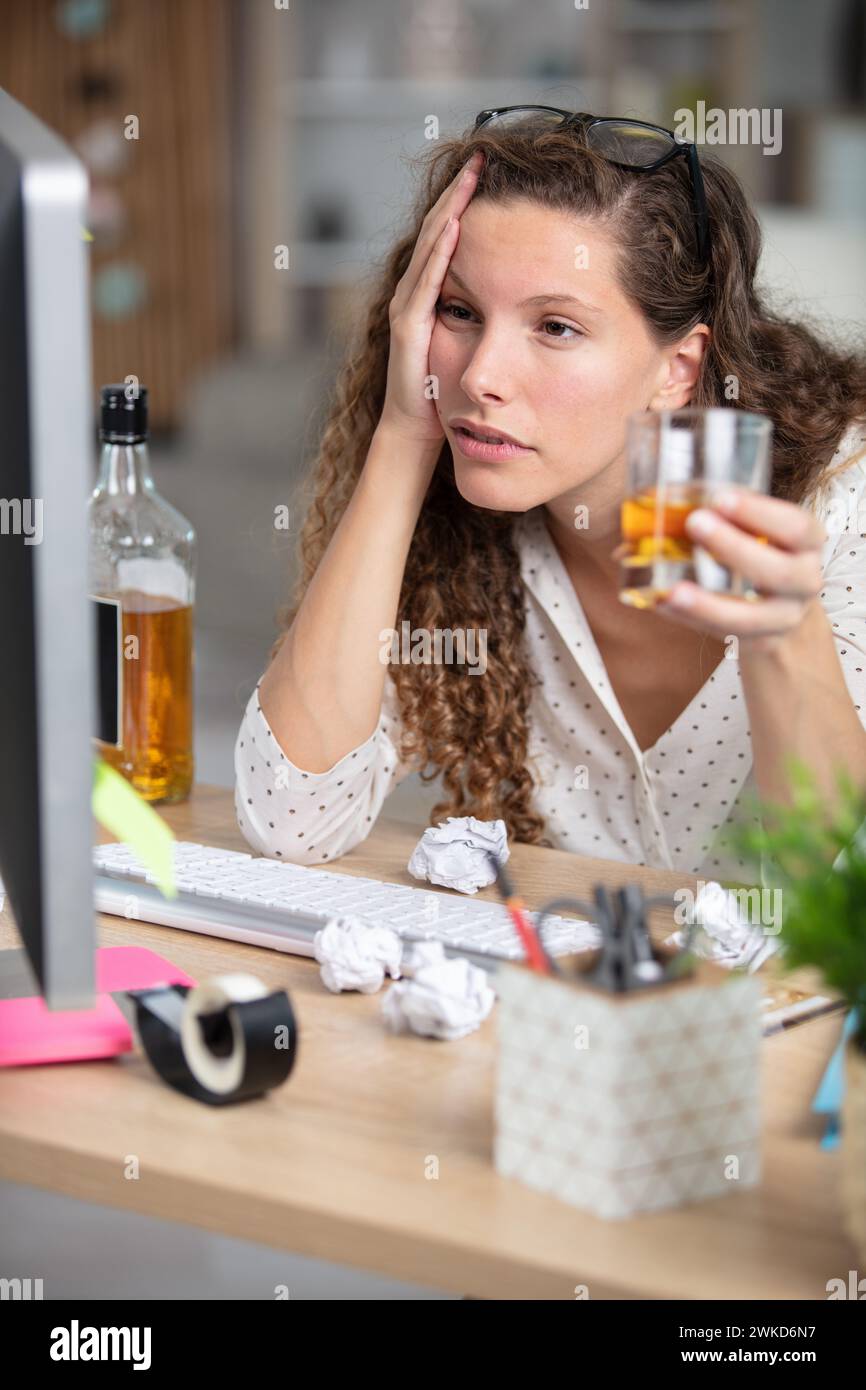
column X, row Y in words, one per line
column 759, row 907
column 739, row 126
column 423, row 646
column 22, row 516
column 21, row 1290
column 87, row 1343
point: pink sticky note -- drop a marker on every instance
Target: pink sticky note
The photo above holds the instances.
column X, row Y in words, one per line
column 31, row 1033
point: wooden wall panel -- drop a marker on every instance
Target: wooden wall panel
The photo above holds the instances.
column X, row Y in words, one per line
column 168, row 62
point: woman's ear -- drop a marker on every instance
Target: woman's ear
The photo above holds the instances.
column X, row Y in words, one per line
column 681, row 369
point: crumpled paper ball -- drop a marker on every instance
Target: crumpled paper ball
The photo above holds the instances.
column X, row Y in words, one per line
column 356, row 954
column 445, row 997
column 726, row 934
column 454, row 853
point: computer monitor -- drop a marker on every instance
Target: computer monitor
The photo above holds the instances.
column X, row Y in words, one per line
column 47, row 668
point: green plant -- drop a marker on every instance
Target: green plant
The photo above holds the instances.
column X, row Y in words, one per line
column 817, row 857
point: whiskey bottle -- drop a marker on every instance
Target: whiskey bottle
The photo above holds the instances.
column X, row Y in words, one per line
column 142, row 586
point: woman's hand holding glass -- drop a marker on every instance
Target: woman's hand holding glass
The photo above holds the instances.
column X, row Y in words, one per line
column 785, row 570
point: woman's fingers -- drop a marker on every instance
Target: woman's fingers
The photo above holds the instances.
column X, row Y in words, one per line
column 723, row 617
column 792, row 572
column 783, row 523
column 422, row 300
column 452, row 203
column 773, row 544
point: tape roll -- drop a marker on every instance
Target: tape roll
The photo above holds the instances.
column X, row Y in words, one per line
column 226, row 1040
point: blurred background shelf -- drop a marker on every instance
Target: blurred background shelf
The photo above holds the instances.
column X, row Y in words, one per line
column 698, row 17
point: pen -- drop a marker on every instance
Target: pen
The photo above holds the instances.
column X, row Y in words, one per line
column 535, row 952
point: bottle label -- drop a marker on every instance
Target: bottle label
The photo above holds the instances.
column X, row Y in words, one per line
column 108, row 617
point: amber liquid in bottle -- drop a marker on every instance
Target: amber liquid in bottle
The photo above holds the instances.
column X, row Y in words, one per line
column 155, row 755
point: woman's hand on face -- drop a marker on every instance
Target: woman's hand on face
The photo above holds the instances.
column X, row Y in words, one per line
column 412, row 312
column 785, row 570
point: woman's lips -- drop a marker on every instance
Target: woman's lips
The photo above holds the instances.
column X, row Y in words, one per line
column 473, row 448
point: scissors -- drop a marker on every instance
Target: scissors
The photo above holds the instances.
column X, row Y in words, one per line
column 627, row 960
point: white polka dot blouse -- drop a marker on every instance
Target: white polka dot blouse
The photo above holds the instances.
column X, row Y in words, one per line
column 667, row 806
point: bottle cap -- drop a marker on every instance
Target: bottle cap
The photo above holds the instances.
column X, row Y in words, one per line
column 123, row 417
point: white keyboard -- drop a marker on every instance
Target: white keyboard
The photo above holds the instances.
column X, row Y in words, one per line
column 263, row 902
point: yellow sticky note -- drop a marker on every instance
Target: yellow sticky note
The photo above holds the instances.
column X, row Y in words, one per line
column 118, row 807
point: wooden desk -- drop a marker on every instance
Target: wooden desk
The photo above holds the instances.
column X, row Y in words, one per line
column 332, row 1165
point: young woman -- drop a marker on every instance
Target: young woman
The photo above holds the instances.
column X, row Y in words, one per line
column 543, row 295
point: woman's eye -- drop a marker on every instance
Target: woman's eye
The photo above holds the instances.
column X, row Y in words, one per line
column 452, row 310
column 551, row 328
column 569, row 327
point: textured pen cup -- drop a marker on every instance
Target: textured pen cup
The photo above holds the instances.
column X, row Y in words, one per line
column 625, row 1103
column 854, row 1146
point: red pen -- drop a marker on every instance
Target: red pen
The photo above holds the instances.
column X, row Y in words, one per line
column 535, row 953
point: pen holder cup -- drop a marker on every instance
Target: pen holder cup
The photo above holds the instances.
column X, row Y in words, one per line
column 625, row 1103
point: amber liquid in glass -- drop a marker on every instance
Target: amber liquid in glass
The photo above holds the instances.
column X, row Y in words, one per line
column 156, row 654
column 655, row 550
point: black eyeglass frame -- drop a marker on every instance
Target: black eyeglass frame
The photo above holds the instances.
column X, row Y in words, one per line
column 689, row 149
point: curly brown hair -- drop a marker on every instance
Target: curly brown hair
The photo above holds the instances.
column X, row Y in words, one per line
column 463, row 566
